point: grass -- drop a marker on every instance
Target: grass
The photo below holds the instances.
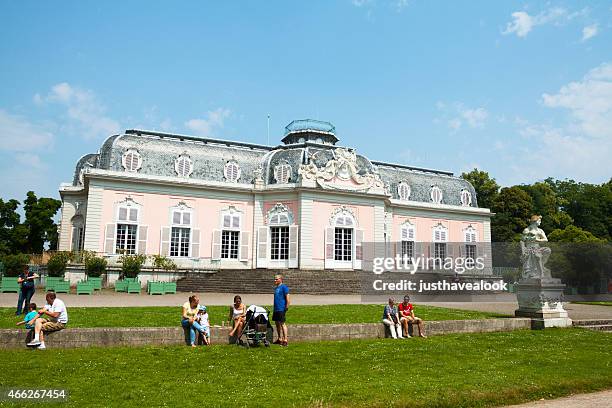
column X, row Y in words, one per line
column 465, row 370
column 170, row 316
column 601, row 303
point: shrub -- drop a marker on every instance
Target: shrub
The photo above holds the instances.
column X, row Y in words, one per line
column 56, row 266
column 14, row 264
column 95, row 266
column 163, row 262
column 132, row 264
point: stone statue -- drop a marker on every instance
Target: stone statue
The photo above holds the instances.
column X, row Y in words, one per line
column 533, row 256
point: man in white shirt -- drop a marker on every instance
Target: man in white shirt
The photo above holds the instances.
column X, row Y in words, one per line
column 57, row 319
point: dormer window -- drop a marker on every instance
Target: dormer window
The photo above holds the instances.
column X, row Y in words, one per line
column 183, row 166
column 231, row 171
column 131, row 160
column 466, row 198
column 403, row 191
column 436, row 195
column 282, row 173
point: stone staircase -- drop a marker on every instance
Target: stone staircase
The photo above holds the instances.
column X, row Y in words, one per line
column 314, row 282
column 594, row 324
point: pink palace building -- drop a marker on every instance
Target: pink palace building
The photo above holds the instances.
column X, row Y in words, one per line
column 307, row 203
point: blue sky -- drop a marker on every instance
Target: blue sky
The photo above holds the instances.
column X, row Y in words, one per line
column 522, row 90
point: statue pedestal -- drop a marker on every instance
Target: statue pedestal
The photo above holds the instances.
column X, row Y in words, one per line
column 542, row 301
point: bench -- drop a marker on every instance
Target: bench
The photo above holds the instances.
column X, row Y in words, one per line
column 9, row 284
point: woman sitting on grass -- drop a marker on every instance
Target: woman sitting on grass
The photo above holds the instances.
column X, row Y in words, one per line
column 190, row 309
column 237, row 315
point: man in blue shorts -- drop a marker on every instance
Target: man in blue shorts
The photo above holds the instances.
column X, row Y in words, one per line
column 281, row 304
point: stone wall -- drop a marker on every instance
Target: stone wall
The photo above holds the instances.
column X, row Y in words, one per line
column 159, row 336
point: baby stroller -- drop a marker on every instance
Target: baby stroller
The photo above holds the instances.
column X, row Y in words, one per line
column 257, row 328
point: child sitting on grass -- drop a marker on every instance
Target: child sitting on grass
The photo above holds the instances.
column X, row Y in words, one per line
column 30, row 317
column 202, row 318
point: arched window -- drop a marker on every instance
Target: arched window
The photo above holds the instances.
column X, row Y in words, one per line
column 279, row 220
column 403, row 191
column 231, row 171
column 78, row 233
column 436, row 195
column 183, row 165
column 131, row 160
column 344, row 224
column 230, row 233
column 282, row 173
column 126, row 237
column 466, row 198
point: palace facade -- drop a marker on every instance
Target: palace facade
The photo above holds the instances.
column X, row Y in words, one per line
column 307, row 203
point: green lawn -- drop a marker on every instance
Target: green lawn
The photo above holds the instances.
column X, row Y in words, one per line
column 443, row 371
column 170, row 316
column 603, row 303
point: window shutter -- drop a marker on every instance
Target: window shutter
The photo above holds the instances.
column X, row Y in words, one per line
column 164, row 242
column 358, row 249
column 245, row 238
column 142, row 239
column 262, row 247
column 293, row 246
column 216, row 245
column 133, row 214
column 329, row 247
column 195, row 243
column 410, row 234
column 109, row 240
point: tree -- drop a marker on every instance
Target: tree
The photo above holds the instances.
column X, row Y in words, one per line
column 548, row 205
column 575, row 234
column 486, row 187
column 513, row 208
column 589, row 205
column 13, row 236
column 39, row 215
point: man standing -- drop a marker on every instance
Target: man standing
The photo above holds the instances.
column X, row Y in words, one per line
column 57, row 320
column 26, row 280
column 281, row 304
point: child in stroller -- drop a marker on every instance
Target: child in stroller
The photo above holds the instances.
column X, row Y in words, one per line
column 257, row 328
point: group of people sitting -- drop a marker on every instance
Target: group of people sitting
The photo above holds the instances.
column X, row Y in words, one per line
column 52, row 317
column 399, row 318
column 195, row 318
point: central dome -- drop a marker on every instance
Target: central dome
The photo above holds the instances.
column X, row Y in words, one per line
column 310, row 130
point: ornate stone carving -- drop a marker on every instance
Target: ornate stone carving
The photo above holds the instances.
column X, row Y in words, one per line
column 342, row 210
column 279, row 208
column 344, row 167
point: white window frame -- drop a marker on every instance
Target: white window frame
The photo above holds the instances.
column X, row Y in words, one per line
column 435, row 190
column 345, row 220
column 233, row 214
column 470, row 236
column 189, row 163
column 128, row 207
column 226, row 171
column 136, row 154
column 406, row 187
column 441, row 238
column 466, row 198
column 182, row 210
column 408, row 234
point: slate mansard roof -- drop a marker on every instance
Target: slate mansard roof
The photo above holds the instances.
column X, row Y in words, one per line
column 159, row 152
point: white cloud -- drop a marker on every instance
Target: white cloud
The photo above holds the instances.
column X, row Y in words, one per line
column 85, row 114
column 589, row 102
column 17, row 134
column 589, row 31
column 30, row 160
column 458, row 114
column 361, row 3
column 208, row 125
column 522, row 23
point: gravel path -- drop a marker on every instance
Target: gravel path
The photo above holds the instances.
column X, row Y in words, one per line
column 592, row 400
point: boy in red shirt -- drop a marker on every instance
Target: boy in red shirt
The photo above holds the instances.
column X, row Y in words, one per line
column 406, row 312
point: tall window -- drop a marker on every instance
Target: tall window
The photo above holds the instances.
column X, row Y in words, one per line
column 440, row 237
column 127, row 230
column 279, row 220
column 470, row 246
column 230, row 235
column 279, row 243
column 343, row 244
column 180, row 236
column 408, row 237
column 77, row 238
